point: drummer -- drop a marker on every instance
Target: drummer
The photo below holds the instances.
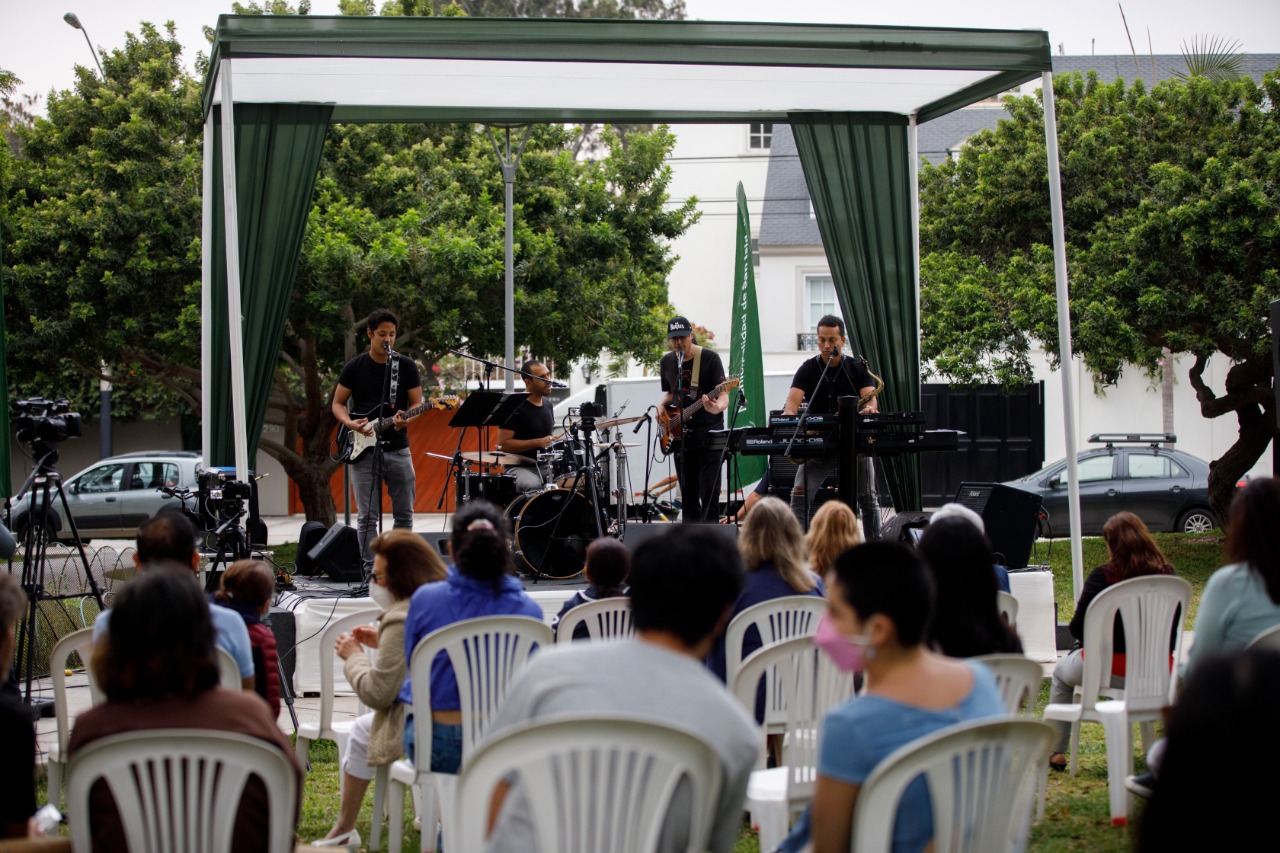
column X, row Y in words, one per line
column 529, row 428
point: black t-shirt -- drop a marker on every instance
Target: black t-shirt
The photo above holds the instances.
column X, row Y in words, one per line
column 530, row 421
column 711, row 374
column 17, row 790
column 368, row 383
column 845, row 379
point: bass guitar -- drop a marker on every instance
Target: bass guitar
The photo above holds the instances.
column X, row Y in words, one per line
column 352, row 444
column 671, row 427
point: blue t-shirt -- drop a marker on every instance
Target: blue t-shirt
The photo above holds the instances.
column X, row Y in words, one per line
column 458, row 597
column 232, row 636
column 762, row 584
column 859, row 734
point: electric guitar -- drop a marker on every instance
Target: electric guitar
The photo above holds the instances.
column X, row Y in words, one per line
column 671, row 427
column 353, row 443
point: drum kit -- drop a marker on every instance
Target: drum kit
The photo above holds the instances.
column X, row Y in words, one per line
column 553, row 525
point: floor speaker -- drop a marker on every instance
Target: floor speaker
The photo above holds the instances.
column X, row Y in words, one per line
column 904, row 527
column 439, row 542
column 638, row 534
column 1010, row 516
column 282, row 625
column 310, row 535
column 338, row 554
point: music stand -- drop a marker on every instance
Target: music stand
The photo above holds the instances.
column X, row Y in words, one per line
column 481, row 409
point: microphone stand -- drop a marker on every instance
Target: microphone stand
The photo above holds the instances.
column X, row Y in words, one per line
column 804, row 417
column 724, row 451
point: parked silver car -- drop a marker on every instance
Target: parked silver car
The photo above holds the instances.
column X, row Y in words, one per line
column 109, row 499
column 1166, row 488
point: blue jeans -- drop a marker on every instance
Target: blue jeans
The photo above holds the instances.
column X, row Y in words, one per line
column 397, row 473
column 446, row 745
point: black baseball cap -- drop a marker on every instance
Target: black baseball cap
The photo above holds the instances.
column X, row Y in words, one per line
column 679, row 327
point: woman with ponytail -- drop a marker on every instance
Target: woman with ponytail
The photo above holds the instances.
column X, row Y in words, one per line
column 482, row 583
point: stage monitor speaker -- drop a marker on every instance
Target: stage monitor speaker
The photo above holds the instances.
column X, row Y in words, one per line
column 439, row 542
column 905, row 527
column 310, row 535
column 282, row 624
column 1010, row 515
column 338, row 554
column 637, row 534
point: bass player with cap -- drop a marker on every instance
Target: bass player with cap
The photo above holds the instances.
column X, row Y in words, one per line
column 691, row 379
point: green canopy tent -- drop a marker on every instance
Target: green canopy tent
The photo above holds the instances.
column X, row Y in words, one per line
column 853, row 96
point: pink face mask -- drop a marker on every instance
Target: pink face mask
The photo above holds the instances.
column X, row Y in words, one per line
column 846, row 653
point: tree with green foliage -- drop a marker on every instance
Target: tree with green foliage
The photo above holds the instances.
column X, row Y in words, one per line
column 1172, row 207
column 105, row 213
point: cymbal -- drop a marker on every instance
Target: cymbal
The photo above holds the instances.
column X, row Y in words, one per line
column 497, row 457
column 613, row 422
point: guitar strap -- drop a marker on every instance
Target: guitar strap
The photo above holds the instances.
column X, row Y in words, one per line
column 693, row 371
column 395, row 383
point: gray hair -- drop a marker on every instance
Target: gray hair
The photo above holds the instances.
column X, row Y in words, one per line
column 954, row 510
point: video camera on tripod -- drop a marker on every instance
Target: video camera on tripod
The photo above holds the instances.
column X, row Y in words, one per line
column 221, row 500
column 43, row 423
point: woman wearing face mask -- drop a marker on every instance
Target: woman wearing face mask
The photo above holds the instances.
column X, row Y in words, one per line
column 402, row 562
column 879, row 602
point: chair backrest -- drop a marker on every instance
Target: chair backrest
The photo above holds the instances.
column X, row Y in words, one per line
column 1153, row 608
column 777, row 619
column 179, row 789
column 1268, row 639
column 605, row 619
column 595, row 782
column 487, row 654
column 1008, row 607
column 328, row 637
column 228, row 670
column 805, row 685
column 978, row 775
column 1018, row 679
column 81, row 643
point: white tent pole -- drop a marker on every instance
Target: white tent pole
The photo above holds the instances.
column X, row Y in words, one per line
column 509, row 165
column 1064, row 330
column 913, row 151
column 234, row 331
column 206, row 292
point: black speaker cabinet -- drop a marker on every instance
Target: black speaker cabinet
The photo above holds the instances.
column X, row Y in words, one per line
column 1010, row 515
column 310, row 535
column 904, row 527
column 637, row 534
column 338, row 554
column 282, row 624
column 439, row 541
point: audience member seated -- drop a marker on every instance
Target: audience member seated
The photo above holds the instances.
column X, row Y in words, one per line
column 483, row 585
column 169, row 537
column 959, row 561
column 608, row 562
column 1215, row 791
column 1131, row 553
column 18, row 758
column 247, row 587
column 157, row 668
column 1242, row 600
column 878, row 608
column 833, row 530
column 955, row 510
column 772, row 547
column 402, row 562
column 656, row 673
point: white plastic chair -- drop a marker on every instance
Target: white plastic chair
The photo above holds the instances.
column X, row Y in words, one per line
column 179, row 789
column 77, row 642
column 1268, row 639
column 593, row 783
column 977, row 774
column 1018, row 679
column 228, row 670
column 606, row 619
column 487, row 654
column 806, row 685
column 1008, row 607
column 1152, row 608
column 777, row 619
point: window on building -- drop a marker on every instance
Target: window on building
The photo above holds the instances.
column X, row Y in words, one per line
column 755, row 252
column 820, row 299
column 760, row 136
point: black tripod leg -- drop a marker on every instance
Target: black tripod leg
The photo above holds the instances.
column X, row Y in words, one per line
column 286, row 692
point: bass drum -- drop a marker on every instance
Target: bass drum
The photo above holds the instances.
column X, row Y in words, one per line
column 552, row 532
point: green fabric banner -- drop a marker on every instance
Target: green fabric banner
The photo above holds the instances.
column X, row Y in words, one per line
column 277, row 160
column 6, row 487
column 858, row 170
column 745, row 359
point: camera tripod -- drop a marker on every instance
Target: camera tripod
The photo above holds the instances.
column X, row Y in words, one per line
column 43, row 482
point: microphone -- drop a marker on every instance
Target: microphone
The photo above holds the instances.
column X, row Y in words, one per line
column 387, row 348
column 555, row 383
column 644, row 420
column 742, row 398
column 679, row 363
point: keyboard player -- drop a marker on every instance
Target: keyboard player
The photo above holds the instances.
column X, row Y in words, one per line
column 822, row 381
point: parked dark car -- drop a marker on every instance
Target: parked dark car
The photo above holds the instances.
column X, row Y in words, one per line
column 110, row 498
column 1166, row 488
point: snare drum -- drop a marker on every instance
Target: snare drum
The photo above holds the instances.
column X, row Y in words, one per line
column 552, row 531
column 497, row 489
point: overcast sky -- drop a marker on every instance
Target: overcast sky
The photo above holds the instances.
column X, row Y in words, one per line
column 38, row 46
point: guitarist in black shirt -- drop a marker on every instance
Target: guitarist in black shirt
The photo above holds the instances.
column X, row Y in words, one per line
column 697, row 467
column 364, row 395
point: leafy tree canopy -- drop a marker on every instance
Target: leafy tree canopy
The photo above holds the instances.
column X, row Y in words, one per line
column 1172, row 208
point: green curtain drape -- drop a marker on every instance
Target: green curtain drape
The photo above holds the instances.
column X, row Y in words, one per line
column 858, row 170
column 277, row 158
column 6, row 486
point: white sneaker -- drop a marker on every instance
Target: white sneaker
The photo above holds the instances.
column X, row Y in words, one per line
column 349, row 840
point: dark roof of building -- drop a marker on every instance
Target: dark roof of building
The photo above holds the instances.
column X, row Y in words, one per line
column 786, row 218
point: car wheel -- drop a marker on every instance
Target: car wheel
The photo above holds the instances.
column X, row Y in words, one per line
column 46, row 531
column 1196, row 521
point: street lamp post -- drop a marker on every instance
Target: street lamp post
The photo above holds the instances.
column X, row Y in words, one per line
column 73, row 21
